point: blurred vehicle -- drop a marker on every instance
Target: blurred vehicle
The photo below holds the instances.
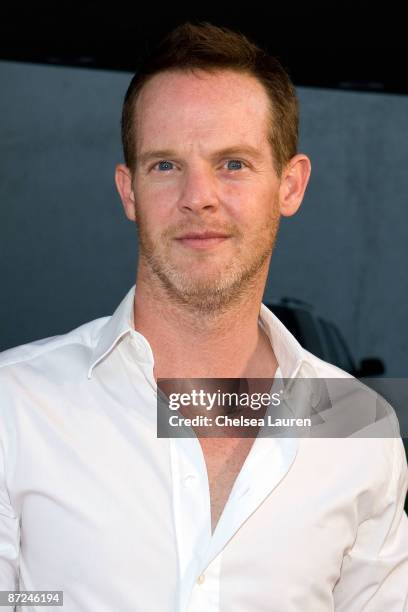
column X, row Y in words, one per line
column 322, row 337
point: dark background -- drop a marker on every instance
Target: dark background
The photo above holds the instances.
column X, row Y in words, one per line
column 359, row 46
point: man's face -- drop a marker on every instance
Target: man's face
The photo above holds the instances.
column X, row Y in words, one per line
column 204, row 166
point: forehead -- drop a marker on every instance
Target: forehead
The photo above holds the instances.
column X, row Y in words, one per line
column 224, row 105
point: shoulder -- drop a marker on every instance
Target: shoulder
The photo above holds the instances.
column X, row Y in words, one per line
column 70, row 347
column 323, row 369
column 353, row 406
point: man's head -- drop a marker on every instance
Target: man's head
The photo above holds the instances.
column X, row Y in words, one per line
column 210, row 134
column 210, row 48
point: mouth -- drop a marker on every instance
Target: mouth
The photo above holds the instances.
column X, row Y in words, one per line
column 202, row 240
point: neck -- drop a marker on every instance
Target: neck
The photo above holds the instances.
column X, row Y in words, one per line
column 187, row 343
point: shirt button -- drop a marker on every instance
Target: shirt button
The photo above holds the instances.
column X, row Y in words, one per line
column 201, row 579
column 189, row 480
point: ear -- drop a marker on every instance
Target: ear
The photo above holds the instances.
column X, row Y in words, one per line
column 294, row 180
column 123, row 180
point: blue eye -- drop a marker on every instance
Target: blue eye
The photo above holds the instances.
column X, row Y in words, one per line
column 236, row 164
column 165, row 165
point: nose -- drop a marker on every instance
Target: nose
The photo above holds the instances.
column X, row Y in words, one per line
column 199, row 191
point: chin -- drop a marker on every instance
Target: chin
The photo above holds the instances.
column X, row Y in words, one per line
column 201, row 287
column 204, row 293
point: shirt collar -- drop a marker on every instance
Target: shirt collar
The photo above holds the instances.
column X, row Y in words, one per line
column 117, row 326
column 289, row 353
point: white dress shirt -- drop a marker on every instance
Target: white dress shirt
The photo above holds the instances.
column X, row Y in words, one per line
column 93, row 503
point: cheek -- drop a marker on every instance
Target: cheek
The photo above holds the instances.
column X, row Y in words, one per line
column 154, row 226
column 158, row 199
column 237, row 200
column 152, row 197
column 249, row 205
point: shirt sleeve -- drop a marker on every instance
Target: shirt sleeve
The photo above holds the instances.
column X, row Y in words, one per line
column 9, row 536
column 374, row 574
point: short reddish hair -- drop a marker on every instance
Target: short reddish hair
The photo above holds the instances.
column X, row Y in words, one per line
column 204, row 46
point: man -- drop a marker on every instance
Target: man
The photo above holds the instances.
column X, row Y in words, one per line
column 92, row 502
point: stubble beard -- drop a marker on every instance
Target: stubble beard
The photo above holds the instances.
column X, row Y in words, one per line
column 218, row 290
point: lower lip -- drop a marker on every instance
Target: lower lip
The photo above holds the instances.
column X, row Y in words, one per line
column 202, row 243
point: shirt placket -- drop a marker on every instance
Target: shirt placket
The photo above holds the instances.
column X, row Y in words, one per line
column 192, row 516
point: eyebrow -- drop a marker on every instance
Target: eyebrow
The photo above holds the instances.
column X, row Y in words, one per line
column 148, row 156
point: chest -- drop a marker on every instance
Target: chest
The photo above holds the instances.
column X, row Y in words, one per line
column 224, row 458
